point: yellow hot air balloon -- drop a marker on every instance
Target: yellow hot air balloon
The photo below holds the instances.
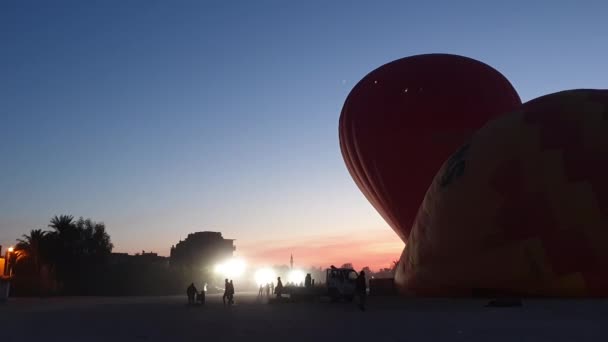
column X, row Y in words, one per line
column 522, row 208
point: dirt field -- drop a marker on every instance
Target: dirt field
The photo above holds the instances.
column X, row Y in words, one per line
column 169, row 319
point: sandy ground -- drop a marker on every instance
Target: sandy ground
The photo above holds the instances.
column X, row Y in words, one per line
column 387, row 319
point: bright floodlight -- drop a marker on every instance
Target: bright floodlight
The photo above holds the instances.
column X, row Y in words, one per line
column 296, row 276
column 11, row 249
column 232, row 268
column 264, row 276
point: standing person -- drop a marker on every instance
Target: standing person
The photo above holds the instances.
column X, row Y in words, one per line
column 361, row 290
column 267, row 289
column 272, row 287
column 261, row 292
column 226, row 291
column 279, row 289
column 201, row 296
column 231, row 293
column 191, row 292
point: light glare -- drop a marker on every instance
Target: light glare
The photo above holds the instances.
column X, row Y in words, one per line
column 296, row 276
column 232, row 268
column 264, row 276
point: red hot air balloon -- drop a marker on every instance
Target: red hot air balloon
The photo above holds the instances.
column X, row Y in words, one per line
column 402, row 120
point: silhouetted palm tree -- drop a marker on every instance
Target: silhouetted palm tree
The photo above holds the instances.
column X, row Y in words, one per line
column 73, row 251
column 62, row 224
column 64, row 240
column 32, row 246
column 32, row 252
column 78, row 246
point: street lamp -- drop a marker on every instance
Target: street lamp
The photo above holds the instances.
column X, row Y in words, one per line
column 9, row 251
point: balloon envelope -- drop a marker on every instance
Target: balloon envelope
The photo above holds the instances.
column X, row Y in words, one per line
column 521, row 208
column 402, row 120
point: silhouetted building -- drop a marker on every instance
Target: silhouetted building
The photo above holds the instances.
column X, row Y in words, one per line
column 202, row 250
column 2, row 262
column 144, row 258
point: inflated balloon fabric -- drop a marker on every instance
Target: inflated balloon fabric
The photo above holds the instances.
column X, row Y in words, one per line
column 402, row 120
column 520, row 208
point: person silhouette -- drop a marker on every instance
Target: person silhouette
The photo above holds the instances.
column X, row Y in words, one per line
column 261, row 292
column 201, row 295
column 267, row 290
column 226, row 291
column 191, row 293
column 279, row 289
column 361, row 287
column 272, row 287
column 231, row 293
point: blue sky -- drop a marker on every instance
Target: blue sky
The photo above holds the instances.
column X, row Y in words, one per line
column 165, row 117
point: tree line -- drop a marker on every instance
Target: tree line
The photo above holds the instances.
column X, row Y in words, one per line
column 59, row 259
column 74, row 257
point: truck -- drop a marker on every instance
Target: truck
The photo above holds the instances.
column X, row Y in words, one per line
column 340, row 284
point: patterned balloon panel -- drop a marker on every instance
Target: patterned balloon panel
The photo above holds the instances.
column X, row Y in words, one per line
column 521, row 208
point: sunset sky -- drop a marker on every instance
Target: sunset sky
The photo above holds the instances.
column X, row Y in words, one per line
column 162, row 118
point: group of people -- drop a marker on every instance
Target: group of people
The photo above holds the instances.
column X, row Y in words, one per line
column 194, row 296
column 199, row 297
column 228, row 292
column 268, row 288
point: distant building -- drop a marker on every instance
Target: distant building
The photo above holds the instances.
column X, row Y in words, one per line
column 139, row 259
column 6, row 262
column 201, row 250
column 2, row 263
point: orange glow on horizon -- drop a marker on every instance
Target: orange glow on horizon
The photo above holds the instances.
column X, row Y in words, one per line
column 373, row 249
